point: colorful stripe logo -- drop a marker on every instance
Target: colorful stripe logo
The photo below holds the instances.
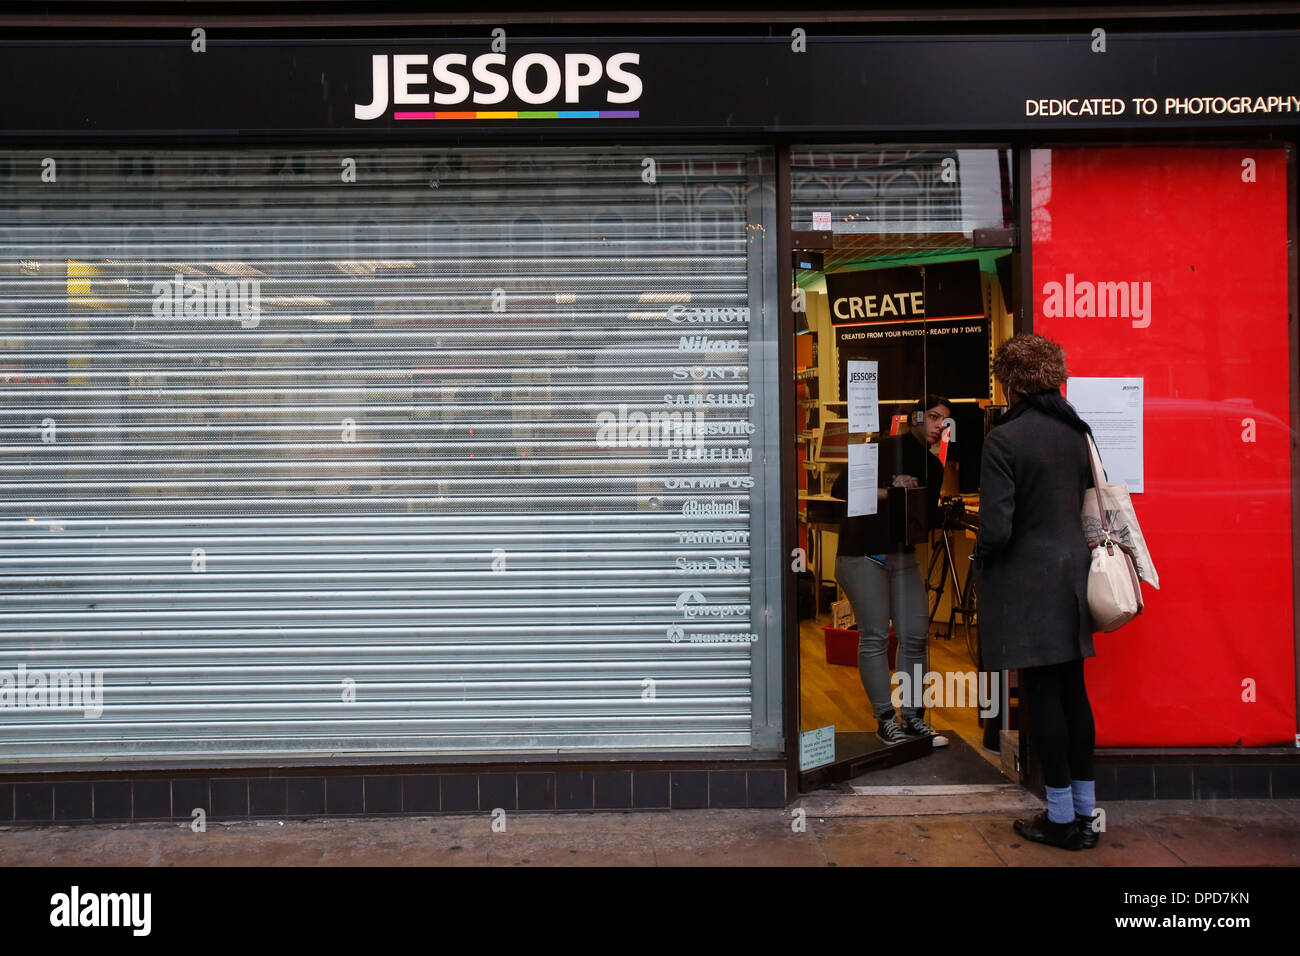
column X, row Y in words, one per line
column 521, row 114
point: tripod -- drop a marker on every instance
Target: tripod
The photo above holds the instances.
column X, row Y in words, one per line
column 962, row 601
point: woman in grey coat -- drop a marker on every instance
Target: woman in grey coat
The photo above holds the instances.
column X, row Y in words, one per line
column 1033, row 561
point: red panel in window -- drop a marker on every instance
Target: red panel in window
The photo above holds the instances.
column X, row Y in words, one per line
column 1200, row 238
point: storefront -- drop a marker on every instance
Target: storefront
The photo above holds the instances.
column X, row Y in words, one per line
column 412, row 419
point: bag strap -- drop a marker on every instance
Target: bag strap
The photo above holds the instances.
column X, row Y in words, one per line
column 1094, row 459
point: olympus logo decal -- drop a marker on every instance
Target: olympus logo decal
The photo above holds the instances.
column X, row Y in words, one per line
column 714, row 565
column 713, row 537
column 694, row 604
column 700, row 373
column 744, row 481
column 210, row 298
column 535, row 79
column 679, row 314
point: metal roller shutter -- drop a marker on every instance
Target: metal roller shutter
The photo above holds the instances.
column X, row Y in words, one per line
column 332, row 452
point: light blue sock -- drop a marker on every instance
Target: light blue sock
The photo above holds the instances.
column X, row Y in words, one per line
column 1085, row 797
column 1060, row 805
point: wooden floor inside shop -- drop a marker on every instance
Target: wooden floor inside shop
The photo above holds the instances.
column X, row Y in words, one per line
column 833, row 694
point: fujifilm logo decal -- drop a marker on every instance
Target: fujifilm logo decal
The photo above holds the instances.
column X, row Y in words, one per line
column 1099, row 300
column 210, row 298
column 537, row 80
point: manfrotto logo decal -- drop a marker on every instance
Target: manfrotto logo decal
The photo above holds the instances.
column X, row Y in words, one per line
column 1082, row 299
column 553, row 86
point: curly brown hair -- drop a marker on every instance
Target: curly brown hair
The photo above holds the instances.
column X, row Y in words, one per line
column 1030, row 363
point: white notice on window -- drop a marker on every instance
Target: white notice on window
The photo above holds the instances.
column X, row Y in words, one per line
column 864, row 466
column 864, row 395
column 1112, row 407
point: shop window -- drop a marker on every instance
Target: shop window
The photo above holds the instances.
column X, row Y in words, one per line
column 1169, row 268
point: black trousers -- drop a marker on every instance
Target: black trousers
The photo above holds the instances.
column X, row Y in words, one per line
column 1060, row 721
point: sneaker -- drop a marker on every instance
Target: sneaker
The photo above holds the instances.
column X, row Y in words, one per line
column 890, row 730
column 917, row 727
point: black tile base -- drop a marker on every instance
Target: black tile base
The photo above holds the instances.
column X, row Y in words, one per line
column 33, row 803
column 650, row 790
column 305, row 797
column 266, row 798
column 766, row 788
column 188, row 795
column 345, row 795
column 727, row 789
column 80, row 800
column 151, row 800
column 614, row 790
column 421, row 793
column 690, row 789
column 72, row 802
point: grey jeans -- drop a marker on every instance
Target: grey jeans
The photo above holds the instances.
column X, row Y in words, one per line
column 879, row 594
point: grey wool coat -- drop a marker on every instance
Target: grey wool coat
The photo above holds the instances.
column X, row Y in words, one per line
column 1030, row 555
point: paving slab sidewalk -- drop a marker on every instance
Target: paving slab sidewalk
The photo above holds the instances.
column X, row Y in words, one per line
column 819, row 830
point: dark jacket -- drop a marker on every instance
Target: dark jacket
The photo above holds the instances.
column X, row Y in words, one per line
column 871, row 534
column 1030, row 555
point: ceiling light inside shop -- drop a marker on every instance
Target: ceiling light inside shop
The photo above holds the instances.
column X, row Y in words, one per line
column 369, row 267
column 665, row 297
column 293, row 301
column 235, row 268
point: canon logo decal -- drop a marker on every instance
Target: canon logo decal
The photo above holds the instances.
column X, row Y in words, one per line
column 535, row 79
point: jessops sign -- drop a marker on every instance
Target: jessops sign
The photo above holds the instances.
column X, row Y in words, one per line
column 458, row 84
column 245, row 81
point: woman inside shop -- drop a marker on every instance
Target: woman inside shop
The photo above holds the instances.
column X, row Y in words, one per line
column 879, row 573
column 1033, row 571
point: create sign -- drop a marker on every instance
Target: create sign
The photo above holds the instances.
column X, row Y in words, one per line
column 944, row 290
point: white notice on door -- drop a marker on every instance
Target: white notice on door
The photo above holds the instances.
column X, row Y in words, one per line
column 864, row 395
column 1112, row 407
column 817, row 748
column 822, row 221
column 864, row 467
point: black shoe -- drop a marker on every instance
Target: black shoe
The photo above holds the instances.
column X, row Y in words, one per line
column 1042, row 830
column 890, row 730
column 1088, row 828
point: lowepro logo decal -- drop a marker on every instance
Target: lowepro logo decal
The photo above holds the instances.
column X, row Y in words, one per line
column 538, row 80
